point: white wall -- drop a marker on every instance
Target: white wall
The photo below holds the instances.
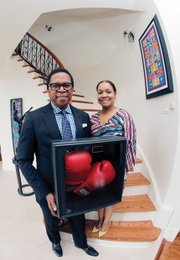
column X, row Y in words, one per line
column 170, row 16
column 169, row 12
column 157, row 130
column 15, row 83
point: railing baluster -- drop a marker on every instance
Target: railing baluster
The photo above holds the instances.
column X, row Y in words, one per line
column 37, row 55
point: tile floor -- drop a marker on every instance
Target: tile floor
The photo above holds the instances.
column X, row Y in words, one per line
column 22, row 234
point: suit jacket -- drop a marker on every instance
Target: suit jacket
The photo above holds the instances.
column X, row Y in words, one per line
column 38, row 130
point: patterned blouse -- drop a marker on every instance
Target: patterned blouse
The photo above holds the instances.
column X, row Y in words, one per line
column 121, row 123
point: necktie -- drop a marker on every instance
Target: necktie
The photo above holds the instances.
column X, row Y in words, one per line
column 66, row 128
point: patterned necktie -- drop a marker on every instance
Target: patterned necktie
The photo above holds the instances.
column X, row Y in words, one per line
column 66, row 128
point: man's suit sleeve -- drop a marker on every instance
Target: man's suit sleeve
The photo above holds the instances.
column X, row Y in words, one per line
column 88, row 125
column 25, row 157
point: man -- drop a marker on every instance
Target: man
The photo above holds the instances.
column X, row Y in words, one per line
column 39, row 128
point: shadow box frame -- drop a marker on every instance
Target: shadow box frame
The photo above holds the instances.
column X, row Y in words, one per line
column 109, row 148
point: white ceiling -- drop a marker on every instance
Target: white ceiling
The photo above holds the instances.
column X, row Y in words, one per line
column 91, row 13
column 82, row 37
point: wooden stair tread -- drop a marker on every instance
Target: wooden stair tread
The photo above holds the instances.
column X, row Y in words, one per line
column 41, row 84
column 89, row 109
column 37, row 77
column 171, row 250
column 82, row 101
column 77, row 95
column 31, row 71
column 138, row 160
column 134, row 203
column 166, row 251
column 25, row 65
column 136, row 179
column 123, row 231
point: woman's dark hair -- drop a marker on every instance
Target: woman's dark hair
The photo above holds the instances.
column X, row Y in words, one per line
column 108, row 81
column 57, row 70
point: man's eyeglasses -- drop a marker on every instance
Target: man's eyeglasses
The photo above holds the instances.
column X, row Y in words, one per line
column 57, row 86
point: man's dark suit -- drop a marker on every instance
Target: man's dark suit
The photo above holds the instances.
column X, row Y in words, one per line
column 39, row 128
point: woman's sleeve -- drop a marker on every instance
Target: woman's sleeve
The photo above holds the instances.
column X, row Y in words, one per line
column 130, row 135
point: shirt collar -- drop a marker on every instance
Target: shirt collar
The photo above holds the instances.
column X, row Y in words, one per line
column 57, row 110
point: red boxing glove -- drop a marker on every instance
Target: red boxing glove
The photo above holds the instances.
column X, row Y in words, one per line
column 77, row 167
column 101, row 174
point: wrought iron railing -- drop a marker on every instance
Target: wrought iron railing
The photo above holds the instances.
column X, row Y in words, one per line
column 38, row 56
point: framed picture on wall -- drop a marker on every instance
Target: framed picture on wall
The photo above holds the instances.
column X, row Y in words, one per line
column 157, row 69
column 16, row 115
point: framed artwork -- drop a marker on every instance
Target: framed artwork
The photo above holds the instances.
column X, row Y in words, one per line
column 16, row 116
column 157, row 70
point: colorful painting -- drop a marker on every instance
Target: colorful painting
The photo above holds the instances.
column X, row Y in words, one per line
column 16, row 116
column 157, row 70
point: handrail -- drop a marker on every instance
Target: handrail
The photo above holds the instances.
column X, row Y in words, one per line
column 50, row 52
column 37, row 55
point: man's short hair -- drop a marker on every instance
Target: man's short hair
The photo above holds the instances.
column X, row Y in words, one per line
column 57, row 70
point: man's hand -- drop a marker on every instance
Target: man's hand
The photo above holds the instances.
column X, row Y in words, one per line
column 51, row 204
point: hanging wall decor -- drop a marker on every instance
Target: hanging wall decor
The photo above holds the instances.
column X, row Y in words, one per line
column 157, row 70
column 16, row 115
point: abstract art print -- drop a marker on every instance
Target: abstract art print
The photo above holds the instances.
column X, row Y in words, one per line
column 157, row 70
column 16, row 115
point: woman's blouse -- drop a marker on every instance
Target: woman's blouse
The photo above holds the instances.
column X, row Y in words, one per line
column 122, row 124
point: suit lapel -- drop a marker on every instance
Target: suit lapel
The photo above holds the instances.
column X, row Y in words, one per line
column 50, row 121
column 78, row 121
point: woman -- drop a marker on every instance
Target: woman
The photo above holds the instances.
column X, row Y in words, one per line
column 112, row 121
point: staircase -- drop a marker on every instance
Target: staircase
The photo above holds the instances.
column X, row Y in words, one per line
column 132, row 217
column 40, row 61
column 78, row 99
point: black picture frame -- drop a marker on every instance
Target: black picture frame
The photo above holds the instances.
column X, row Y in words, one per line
column 101, row 148
column 16, row 110
column 155, row 59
